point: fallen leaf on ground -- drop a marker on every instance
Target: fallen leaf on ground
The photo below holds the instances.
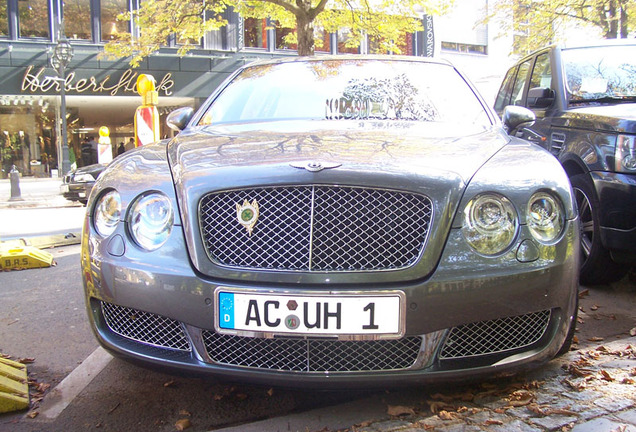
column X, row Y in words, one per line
column 595, row 307
column 33, row 414
column 606, row 375
column 182, row 424
column 26, row 360
column 399, row 410
column 270, row 392
column 445, row 415
column 584, row 293
column 595, row 339
column 169, row 383
column 632, row 332
column 185, row 413
column 493, row 422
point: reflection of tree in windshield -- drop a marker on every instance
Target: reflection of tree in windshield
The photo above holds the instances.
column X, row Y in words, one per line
column 587, row 80
column 393, row 98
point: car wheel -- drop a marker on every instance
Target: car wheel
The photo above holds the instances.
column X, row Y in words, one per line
column 597, row 266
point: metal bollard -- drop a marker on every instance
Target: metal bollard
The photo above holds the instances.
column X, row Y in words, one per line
column 16, row 195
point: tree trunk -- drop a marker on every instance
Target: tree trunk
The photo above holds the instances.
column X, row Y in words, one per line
column 305, row 35
column 624, row 22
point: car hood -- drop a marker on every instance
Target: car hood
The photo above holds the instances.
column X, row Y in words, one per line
column 429, row 149
column 620, row 118
column 424, row 159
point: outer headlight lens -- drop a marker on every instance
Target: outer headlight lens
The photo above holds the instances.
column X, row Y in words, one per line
column 84, row 178
column 545, row 217
column 490, row 223
column 107, row 213
column 151, row 220
column 626, row 154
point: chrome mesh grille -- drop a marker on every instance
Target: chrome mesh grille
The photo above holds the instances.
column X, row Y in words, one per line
column 490, row 337
column 317, row 228
column 312, row 355
column 145, row 327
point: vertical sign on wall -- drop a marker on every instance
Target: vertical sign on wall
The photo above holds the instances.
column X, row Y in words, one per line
column 429, row 36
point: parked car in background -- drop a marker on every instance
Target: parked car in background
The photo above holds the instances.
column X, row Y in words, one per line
column 335, row 221
column 584, row 99
column 78, row 183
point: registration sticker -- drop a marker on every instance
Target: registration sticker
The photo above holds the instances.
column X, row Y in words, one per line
column 361, row 315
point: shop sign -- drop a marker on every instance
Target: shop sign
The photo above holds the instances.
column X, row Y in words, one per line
column 36, row 82
column 429, row 36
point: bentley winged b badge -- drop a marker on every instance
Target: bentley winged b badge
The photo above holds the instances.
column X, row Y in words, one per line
column 247, row 214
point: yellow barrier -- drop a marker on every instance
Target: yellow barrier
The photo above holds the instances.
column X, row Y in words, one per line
column 14, row 256
column 14, row 386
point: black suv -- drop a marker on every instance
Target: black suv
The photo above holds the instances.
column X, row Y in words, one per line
column 584, row 99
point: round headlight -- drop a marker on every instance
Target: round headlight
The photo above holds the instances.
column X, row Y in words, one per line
column 545, row 217
column 107, row 213
column 490, row 223
column 151, row 220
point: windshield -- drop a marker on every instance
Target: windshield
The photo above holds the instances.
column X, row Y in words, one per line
column 351, row 89
column 599, row 73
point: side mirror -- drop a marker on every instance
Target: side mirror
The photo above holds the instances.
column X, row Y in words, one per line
column 178, row 119
column 516, row 116
column 540, row 97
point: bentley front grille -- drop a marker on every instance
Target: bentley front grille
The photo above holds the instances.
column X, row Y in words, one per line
column 145, row 327
column 312, row 355
column 491, row 337
column 316, row 228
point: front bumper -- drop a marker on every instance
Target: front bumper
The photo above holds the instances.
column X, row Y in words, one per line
column 76, row 191
column 617, row 197
column 502, row 314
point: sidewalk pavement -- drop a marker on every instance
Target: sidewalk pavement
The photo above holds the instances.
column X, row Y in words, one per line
column 41, row 216
column 589, row 390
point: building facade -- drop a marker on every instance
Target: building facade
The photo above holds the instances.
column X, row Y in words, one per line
column 101, row 92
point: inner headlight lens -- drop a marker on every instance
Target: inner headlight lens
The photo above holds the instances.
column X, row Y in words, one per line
column 490, row 223
column 107, row 213
column 545, row 217
column 151, row 220
column 626, row 154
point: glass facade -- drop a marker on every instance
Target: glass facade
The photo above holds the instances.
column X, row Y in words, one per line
column 34, row 19
column 110, row 26
column 255, row 33
column 77, row 19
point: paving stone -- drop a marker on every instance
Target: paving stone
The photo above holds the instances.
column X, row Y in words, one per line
column 614, row 404
column 602, row 425
column 514, row 426
column 481, row 417
column 553, row 422
column 627, row 416
column 389, row 426
column 459, row 427
column 587, row 395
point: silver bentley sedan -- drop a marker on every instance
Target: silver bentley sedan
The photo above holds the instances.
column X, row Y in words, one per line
column 333, row 221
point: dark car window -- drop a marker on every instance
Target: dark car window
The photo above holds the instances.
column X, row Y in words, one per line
column 520, row 83
column 600, row 73
column 348, row 89
column 541, row 73
column 503, row 97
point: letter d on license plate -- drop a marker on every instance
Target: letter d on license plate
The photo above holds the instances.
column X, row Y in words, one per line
column 363, row 315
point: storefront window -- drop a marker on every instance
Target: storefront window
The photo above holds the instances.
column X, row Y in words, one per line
column 405, row 44
column 345, row 38
column 34, row 18
column 27, row 136
column 281, row 41
column 110, row 25
column 322, row 40
column 4, row 25
column 77, row 19
column 255, row 33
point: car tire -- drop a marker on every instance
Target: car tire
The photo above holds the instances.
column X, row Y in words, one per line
column 597, row 266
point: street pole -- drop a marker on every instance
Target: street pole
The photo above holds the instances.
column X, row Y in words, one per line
column 66, row 163
column 61, row 58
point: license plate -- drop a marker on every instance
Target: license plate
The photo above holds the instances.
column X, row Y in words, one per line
column 368, row 315
column 64, row 188
column 81, row 194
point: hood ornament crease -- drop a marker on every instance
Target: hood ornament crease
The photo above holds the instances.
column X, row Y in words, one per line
column 315, row 166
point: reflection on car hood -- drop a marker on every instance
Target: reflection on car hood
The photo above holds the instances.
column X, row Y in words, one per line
column 411, row 147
